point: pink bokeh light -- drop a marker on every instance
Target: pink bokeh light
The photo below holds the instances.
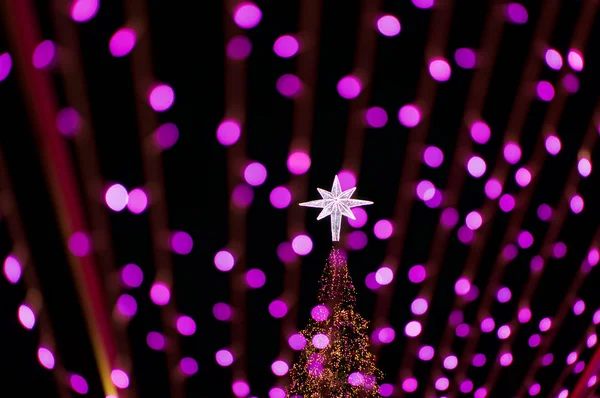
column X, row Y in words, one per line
column 504, row 332
column 161, row 97
column 426, row 353
column 242, row 196
column 412, row 329
column 68, row 122
column 228, row 132
column 476, row 166
column 553, row 145
column 575, row 60
column 507, row 203
column 487, row 325
column 160, row 294
column 462, row 286
column 240, row 388
column 433, row 156
column 449, row 217
column 289, row 85
column 442, row 383
column 383, row 229
column 286, row 46
column 224, row 357
column 389, row 25
column 280, row 367
column 384, row 276
column 119, row 378
column 516, row 13
column 137, row 201
column 255, row 174
column 297, row 341
column 584, row 166
column 320, row 341
column 44, row 55
column 298, row 162
column 84, row 10
column 465, row 58
column 181, row 242
column 5, row 66
column 376, row 117
column 78, row 384
column 525, row 239
column 347, row 179
column 439, row 69
column 156, row 341
column 553, row 59
column 238, row 48
column 166, row 135
column 46, row 357
column 424, row 4
column 360, row 217
column 504, row 294
column 417, row 274
column 126, row 305
column 26, row 316
column 523, row 177
column 255, row 278
column 480, row 132
column 410, row 384
column 545, row 324
column 409, row 115
column 132, row 275
column 493, row 188
column 302, row 245
column 224, row 261
column 278, row 309
column 122, row 42
column 79, row 244
column 419, row 306
column 188, row 366
column 524, row 315
column 506, row 359
column 116, row 197
column 474, row 220
column 545, row 91
column 512, row 152
column 222, row 312
column 12, row 269
column 247, row 15
column 577, row 204
column 349, row 87
column 185, row 325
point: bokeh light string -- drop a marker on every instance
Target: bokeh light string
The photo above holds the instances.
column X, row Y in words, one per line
column 589, row 376
column 492, row 33
column 161, row 291
column 75, row 88
column 439, row 27
column 24, row 32
column 366, row 44
column 237, row 15
column 570, row 365
column 548, row 244
column 564, row 310
column 300, row 145
column 490, row 43
column 26, row 269
column 515, row 124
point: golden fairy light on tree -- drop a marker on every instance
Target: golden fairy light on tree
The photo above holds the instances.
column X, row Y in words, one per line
column 336, row 361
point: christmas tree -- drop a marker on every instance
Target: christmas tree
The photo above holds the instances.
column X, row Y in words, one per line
column 336, row 361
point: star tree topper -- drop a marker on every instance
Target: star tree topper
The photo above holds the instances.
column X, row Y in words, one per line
column 335, row 204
